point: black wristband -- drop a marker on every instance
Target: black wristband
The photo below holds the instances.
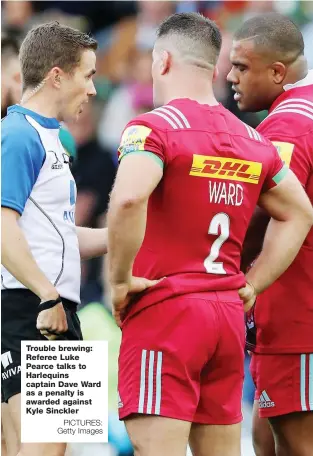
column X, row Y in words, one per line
column 49, row 304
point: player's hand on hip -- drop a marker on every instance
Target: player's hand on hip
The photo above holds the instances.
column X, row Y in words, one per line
column 248, row 295
column 52, row 322
column 120, row 299
column 121, row 294
column 139, row 284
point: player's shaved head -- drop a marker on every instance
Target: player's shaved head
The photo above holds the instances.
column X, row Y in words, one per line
column 194, row 38
column 273, row 34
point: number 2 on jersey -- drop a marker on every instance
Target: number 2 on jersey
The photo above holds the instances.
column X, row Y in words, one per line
column 219, row 221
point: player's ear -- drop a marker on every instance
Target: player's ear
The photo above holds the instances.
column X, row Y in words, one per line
column 215, row 73
column 165, row 62
column 278, row 72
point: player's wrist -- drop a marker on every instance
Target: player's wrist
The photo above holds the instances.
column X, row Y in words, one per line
column 120, row 280
column 255, row 291
column 120, row 287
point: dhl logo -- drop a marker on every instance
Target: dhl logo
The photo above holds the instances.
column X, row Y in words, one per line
column 226, row 168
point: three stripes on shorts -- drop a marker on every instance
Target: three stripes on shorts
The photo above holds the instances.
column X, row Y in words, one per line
column 150, row 382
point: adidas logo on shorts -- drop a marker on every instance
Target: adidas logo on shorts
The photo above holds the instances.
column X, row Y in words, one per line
column 265, row 401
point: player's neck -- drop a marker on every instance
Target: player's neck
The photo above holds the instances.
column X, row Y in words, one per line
column 201, row 97
column 192, row 83
column 297, row 71
column 38, row 103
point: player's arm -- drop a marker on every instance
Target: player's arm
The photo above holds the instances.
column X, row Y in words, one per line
column 299, row 162
column 21, row 163
column 93, row 242
column 140, row 171
column 141, row 157
column 254, row 237
column 137, row 177
column 292, row 218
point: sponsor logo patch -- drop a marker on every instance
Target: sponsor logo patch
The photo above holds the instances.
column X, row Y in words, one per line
column 133, row 139
column 285, row 151
column 226, row 168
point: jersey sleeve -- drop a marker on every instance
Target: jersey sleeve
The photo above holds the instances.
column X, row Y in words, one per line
column 140, row 138
column 277, row 170
column 22, row 156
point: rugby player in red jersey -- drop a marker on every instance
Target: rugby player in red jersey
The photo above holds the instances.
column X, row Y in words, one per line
column 270, row 72
column 189, row 179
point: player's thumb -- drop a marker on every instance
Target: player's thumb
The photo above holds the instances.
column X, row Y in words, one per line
column 151, row 283
column 140, row 284
column 245, row 292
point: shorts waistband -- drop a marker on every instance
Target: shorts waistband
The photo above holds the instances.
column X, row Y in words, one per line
column 223, row 295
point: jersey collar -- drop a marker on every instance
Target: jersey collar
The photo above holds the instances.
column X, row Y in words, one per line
column 46, row 122
column 308, row 80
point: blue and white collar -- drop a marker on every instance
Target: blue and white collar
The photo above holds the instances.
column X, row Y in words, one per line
column 46, row 122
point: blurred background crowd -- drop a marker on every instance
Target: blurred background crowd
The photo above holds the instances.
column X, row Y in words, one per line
column 125, row 31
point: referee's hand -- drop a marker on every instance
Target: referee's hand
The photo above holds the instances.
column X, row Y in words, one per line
column 52, row 322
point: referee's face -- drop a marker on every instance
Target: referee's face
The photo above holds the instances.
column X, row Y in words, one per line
column 78, row 87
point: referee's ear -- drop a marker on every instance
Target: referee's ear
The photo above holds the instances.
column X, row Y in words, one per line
column 55, row 75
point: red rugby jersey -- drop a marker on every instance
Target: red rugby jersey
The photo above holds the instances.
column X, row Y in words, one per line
column 215, row 168
column 284, row 312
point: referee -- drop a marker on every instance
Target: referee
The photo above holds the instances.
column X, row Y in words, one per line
column 41, row 246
